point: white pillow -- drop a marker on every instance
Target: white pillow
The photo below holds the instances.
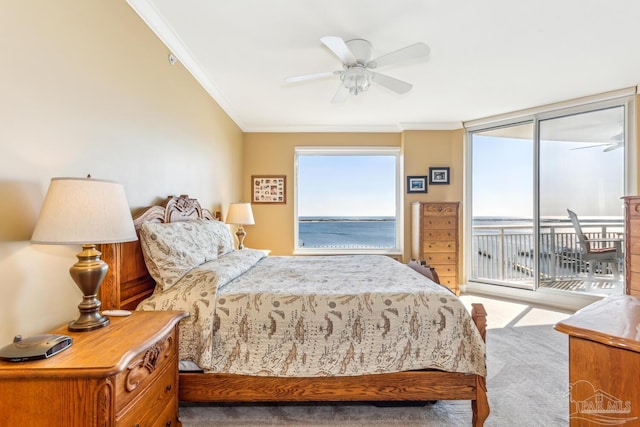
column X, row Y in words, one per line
column 172, row 250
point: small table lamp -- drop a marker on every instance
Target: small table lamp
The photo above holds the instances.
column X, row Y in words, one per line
column 240, row 214
column 87, row 212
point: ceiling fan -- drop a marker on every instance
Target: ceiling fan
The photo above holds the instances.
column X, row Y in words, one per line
column 357, row 73
column 616, row 141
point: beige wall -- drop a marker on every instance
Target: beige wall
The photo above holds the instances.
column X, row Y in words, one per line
column 273, row 154
column 86, row 87
column 425, row 149
column 636, row 162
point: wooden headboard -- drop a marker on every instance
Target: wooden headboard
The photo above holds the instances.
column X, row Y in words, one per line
column 128, row 282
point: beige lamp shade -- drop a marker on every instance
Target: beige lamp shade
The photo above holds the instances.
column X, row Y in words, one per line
column 83, row 211
column 240, row 214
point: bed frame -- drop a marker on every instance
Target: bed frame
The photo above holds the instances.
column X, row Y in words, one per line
column 128, row 283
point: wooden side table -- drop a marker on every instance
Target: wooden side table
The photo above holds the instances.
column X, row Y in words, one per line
column 604, row 362
column 125, row 374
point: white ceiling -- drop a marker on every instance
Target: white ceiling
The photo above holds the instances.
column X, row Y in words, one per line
column 488, row 57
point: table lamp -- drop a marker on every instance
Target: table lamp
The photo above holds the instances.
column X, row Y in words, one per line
column 85, row 211
column 240, row 214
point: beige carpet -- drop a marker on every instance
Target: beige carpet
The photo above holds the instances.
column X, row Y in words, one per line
column 527, row 385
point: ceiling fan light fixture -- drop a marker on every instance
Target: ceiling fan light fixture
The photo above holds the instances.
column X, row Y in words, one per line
column 356, row 79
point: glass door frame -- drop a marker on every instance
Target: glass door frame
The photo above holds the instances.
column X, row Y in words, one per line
column 625, row 98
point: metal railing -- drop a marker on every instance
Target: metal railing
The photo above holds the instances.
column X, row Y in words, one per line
column 505, row 253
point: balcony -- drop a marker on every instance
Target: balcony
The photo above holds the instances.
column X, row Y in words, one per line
column 504, row 255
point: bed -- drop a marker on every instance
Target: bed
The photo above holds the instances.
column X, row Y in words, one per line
column 129, row 285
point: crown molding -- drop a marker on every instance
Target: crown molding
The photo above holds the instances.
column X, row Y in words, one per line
column 150, row 15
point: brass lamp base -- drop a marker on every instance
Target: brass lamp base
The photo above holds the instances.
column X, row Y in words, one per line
column 88, row 273
column 241, row 235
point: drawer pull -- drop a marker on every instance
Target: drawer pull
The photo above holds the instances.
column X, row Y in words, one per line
column 167, row 388
column 168, row 423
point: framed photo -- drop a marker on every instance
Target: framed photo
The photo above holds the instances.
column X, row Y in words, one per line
column 439, row 176
column 417, row 184
column 268, row 189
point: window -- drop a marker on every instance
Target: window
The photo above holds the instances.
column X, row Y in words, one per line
column 348, row 200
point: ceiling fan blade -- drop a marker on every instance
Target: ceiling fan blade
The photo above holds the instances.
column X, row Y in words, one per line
column 586, row 147
column 313, row 76
column 341, row 95
column 417, row 50
column 397, row 86
column 340, row 48
column 612, row 147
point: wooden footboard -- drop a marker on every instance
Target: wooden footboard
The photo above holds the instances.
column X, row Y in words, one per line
column 399, row 386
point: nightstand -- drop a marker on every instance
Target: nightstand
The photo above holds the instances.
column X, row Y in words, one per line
column 125, row 374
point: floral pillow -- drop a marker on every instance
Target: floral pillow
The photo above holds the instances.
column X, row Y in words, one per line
column 172, row 250
column 219, row 232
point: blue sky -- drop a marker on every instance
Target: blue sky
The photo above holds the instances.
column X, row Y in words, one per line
column 588, row 181
column 346, row 185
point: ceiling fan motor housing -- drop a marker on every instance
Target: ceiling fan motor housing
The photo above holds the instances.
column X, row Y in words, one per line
column 361, row 49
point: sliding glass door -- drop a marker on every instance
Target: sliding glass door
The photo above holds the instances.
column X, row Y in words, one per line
column 502, row 230
column 582, row 172
column 526, row 178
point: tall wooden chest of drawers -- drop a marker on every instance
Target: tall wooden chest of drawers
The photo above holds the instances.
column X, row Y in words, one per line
column 632, row 244
column 434, row 238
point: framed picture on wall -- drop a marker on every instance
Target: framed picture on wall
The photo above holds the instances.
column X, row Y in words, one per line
column 269, row 189
column 417, row 184
column 439, row 175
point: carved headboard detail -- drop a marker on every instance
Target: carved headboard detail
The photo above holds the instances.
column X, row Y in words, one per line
column 128, row 282
column 173, row 209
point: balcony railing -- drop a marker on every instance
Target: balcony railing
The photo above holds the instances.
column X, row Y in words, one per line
column 505, row 253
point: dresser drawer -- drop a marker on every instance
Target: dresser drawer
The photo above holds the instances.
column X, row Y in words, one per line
column 440, row 209
column 168, row 417
column 445, row 270
column 431, row 247
column 634, row 284
column 144, row 370
column 447, row 235
column 447, row 222
column 634, row 263
column 450, row 282
column 157, row 406
column 634, row 244
column 442, row 258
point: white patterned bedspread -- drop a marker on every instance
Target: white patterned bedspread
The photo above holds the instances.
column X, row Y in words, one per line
column 319, row 316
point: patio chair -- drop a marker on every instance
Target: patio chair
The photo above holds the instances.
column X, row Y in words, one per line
column 606, row 255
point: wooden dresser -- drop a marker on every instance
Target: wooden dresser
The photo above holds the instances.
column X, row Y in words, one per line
column 125, row 374
column 604, row 362
column 434, row 239
column 632, row 244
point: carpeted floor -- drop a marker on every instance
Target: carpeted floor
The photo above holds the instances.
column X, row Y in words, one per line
column 527, row 385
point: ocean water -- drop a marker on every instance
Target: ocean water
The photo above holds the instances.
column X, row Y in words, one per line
column 339, row 232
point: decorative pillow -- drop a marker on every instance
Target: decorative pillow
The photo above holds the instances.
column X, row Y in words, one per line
column 219, row 232
column 172, row 250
